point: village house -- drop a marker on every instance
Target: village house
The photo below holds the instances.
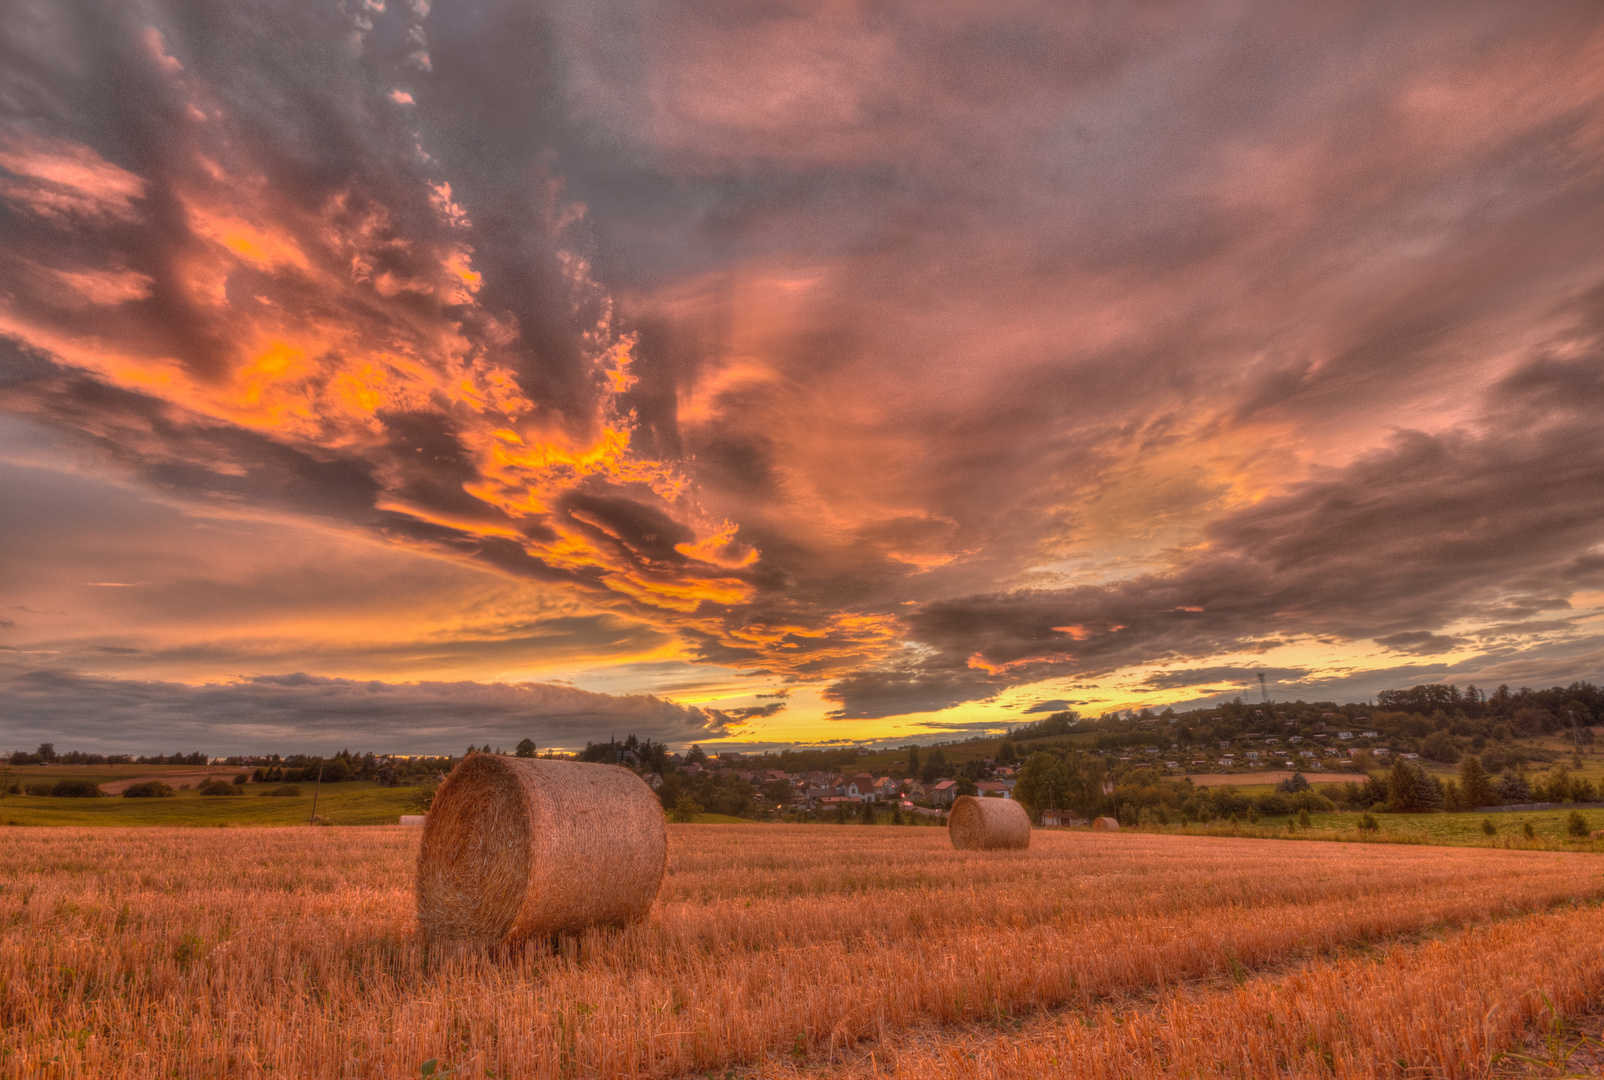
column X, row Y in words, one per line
column 1054, row 818
column 996, row 789
column 943, row 792
column 861, row 787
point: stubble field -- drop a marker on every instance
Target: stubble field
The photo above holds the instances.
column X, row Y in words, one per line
column 776, row 950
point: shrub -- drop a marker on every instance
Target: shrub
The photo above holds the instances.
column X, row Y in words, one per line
column 148, row 789
column 1293, row 784
column 1367, row 823
column 218, row 787
column 687, row 808
column 76, row 789
column 241, row 778
column 1488, row 827
column 1531, row 833
column 422, row 797
column 1303, row 819
column 287, row 790
column 1274, row 804
column 1576, row 824
column 40, row 789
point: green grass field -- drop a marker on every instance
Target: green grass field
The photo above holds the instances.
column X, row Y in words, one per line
column 105, row 774
column 350, row 803
column 1453, row 830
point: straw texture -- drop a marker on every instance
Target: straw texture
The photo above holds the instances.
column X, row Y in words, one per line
column 983, row 824
column 1105, row 824
column 515, row 848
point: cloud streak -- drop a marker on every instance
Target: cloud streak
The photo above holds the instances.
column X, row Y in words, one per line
column 259, row 714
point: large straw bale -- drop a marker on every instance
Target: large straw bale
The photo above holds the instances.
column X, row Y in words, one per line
column 984, row 824
column 1105, row 824
column 515, row 848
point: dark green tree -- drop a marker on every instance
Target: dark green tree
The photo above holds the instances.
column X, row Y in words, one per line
column 1475, row 785
column 935, row 767
column 1042, row 784
column 686, row 809
column 526, row 748
column 1410, row 790
column 1439, row 746
column 966, row 786
column 696, row 755
column 1513, row 788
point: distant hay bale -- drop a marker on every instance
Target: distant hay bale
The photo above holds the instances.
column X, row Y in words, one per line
column 988, row 824
column 412, row 819
column 1105, row 824
column 517, row 848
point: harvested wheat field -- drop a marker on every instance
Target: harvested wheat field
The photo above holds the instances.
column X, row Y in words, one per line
column 784, row 950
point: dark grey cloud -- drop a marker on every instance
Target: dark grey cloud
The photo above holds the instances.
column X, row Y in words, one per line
column 1244, row 679
column 1496, row 520
column 282, row 712
column 1421, row 642
column 1056, row 705
column 745, row 713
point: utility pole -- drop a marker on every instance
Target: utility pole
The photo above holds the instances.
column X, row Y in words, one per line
column 1264, row 691
column 315, row 792
column 1576, row 736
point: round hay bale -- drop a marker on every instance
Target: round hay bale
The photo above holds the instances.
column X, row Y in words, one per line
column 515, row 848
column 1105, row 824
column 987, row 824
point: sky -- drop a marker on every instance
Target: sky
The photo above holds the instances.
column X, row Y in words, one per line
column 401, row 374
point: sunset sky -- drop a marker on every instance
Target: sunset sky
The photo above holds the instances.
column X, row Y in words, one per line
column 398, row 375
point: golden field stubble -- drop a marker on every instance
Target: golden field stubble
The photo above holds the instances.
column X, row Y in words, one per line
column 292, row 952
